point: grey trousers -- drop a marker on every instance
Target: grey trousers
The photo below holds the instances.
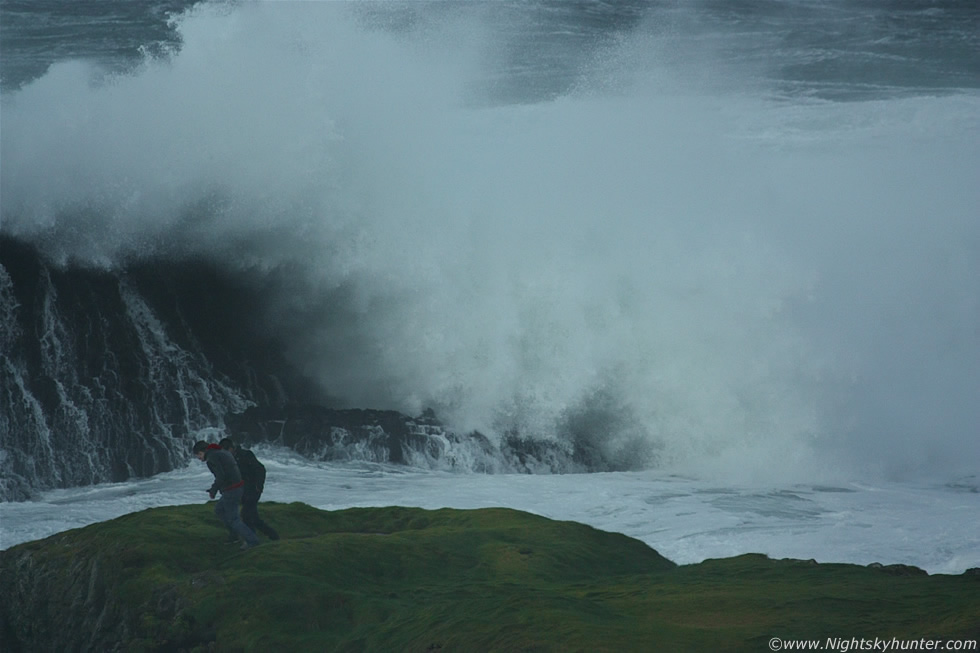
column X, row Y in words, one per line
column 227, row 511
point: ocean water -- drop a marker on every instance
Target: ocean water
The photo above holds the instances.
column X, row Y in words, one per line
column 686, row 519
column 731, row 248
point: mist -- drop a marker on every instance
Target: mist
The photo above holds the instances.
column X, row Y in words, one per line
column 667, row 258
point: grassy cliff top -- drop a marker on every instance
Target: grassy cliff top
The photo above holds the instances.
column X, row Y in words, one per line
column 407, row 579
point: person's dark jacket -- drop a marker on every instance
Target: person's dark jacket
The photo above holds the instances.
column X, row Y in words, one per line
column 253, row 472
column 225, row 469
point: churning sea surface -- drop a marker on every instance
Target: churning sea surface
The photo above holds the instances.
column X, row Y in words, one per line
column 736, row 239
column 928, row 525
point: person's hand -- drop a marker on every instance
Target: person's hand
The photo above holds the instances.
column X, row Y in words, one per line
column 212, row 493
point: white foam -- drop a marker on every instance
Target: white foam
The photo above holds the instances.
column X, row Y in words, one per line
column 686, row 519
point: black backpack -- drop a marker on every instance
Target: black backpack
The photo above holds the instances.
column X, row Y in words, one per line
column 253, row 472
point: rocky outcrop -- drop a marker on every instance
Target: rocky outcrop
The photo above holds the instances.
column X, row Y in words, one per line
column 898, row 570
column 109, row 374
column 105, row 374
column 382, row 436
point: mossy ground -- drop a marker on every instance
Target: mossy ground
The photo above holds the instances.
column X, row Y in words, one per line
column 406, row 579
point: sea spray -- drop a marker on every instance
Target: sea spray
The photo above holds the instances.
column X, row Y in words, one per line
column 684, row 269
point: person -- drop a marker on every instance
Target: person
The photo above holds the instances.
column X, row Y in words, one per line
column 228, row 481
column 253, row 473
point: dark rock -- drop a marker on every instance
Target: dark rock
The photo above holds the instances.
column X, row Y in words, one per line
column 110, row 374
column 898, row 570
column 107, row 373
column 384, row 436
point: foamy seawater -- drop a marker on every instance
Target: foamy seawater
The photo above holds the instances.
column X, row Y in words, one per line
column 733, row 244
column 686, row 519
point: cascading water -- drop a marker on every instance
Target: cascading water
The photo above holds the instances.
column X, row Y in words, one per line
column 94, row 388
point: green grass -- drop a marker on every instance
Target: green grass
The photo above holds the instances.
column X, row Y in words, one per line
column 405, row 579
